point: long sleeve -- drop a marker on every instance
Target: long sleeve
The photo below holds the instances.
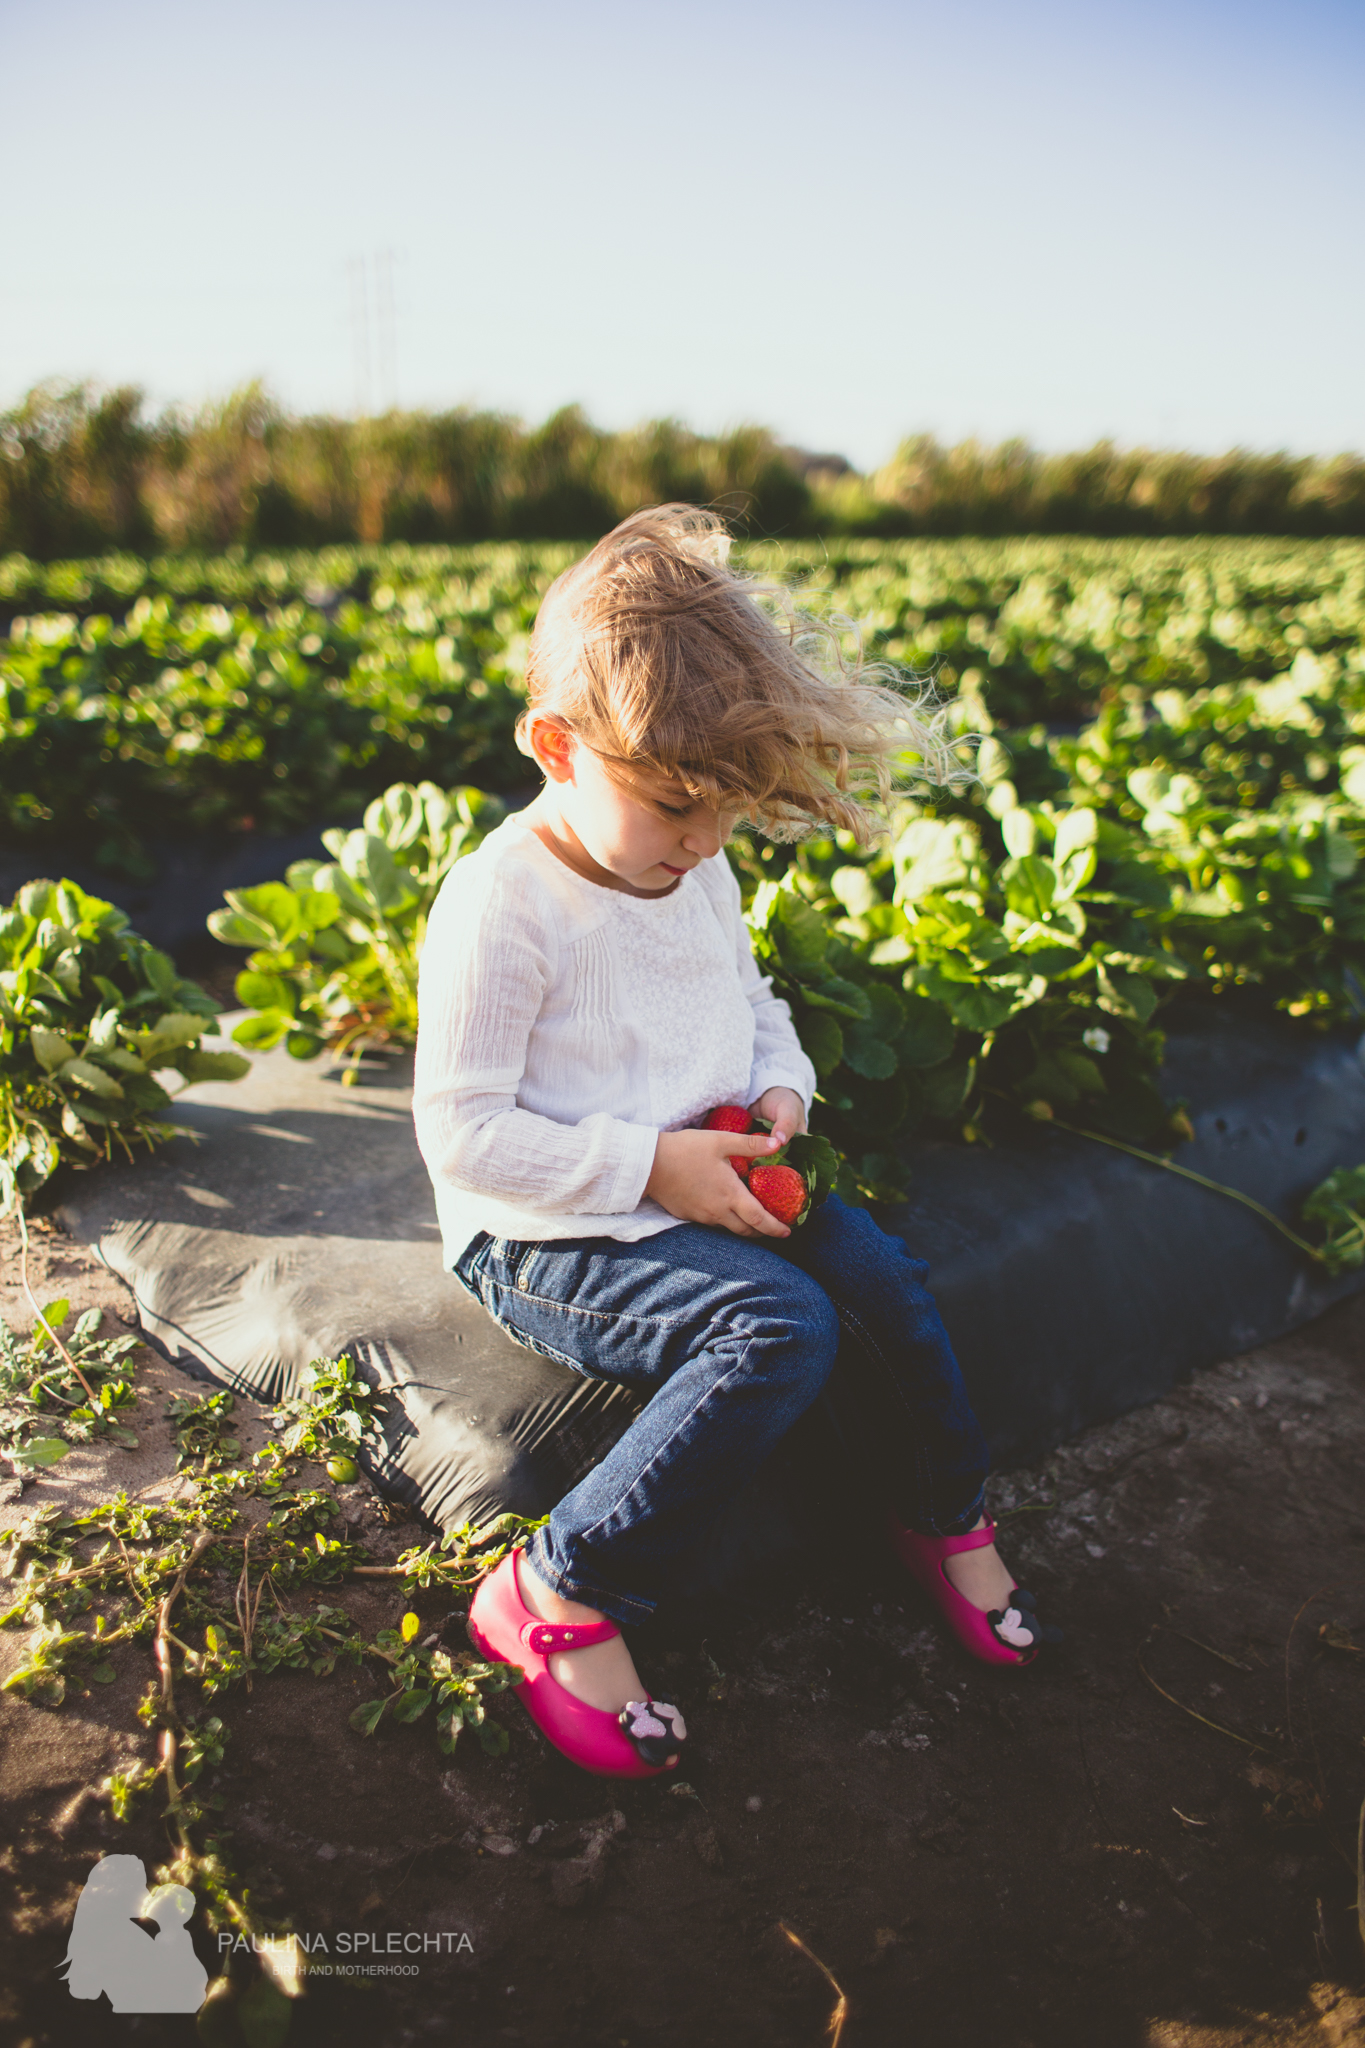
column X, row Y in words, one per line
column 488, row 965
column 778, row 1061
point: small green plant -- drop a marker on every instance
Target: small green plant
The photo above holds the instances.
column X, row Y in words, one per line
column 423, row 1675
column 158, row 1574
column 333, row 1415
column 1338, row 1208
column 201, row 1425
column 79, row 1392
column 335, row 946
column 90, row 1014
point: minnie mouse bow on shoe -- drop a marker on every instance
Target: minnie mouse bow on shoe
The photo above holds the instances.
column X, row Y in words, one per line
column 1009, row 1635
column 641, row 1741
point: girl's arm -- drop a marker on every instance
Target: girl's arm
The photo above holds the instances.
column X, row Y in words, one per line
column 779, row 1062
column 489, row 958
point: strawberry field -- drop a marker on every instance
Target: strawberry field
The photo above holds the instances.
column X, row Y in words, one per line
column 1169, row 796
column 191, row 694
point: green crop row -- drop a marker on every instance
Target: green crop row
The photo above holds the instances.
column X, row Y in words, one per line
column 262, row 693
column 998, row 954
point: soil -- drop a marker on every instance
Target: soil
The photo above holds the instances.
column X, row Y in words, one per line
column 1145, row 1840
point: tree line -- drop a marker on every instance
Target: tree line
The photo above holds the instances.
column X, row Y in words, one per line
column 85, row 470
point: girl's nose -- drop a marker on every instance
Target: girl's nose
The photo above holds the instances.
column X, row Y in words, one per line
column 706, row 836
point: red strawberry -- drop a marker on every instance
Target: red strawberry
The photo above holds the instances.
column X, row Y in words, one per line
column 783, row 1191
column 730, row 1117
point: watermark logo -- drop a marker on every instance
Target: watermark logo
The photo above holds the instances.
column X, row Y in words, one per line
column 109, row 1952
column 142, row 1971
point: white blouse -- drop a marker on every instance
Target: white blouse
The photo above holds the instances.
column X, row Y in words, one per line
column 564, row 1025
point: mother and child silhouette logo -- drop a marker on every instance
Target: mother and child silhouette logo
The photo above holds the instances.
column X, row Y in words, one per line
column 110, row 1952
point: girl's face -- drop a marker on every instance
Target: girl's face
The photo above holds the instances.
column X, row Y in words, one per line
column 612, row 836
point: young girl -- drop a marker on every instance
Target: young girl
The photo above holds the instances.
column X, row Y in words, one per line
column 588, row 995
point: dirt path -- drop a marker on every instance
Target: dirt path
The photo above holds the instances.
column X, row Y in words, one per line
column 1026, row 1860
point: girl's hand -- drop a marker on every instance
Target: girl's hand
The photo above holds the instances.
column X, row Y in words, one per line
column 783, row 1109
column 694, row 1180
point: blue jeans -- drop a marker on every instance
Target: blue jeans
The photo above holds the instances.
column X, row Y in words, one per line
column 732, row 1341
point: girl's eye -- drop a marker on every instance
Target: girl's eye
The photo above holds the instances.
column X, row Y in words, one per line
column 676, row 810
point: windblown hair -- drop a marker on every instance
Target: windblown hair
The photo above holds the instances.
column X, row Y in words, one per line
column 656, row 654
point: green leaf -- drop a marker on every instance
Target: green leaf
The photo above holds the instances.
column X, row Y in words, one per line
column 1030, row 885
column 927, row 1035
column 821, row 1039
column 397, row 817
column 41, row 1451
column 299, row 877
column 369, row 864
column 1126, row 995
column 50, row 1048
column 263, row 1030
column 410, row 1705
column 320, row 908
column 1149, row 786
column 844, row 998
column 235, row 928
column 1082, row 1072
column 118, row 1057
column 367, row 1718
column 977, row 1007
column 1338, row 1204
column 941, row 1091
column 1353, row 775
column 816, row 1158
column 55, row 1314
column 1076, row 830
column 270, row 904
column 868, row 1056
column 855, row 889
column 171, row 1032
column 86, row 1074
column 933, row 854
column 802, row 935
column 1019, row 829
column 265, row 992
column 214, row 1066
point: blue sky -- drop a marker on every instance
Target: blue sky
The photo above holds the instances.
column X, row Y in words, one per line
column 850, row 222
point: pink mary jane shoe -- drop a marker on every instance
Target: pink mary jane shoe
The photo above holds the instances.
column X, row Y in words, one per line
column 1008, row 1636
column 632, row 1744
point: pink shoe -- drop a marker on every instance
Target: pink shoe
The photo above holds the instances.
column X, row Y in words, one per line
column 632, row 1744
column 987, row 1636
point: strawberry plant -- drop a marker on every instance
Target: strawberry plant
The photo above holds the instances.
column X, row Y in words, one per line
column 265, row 691
column 1337, row 1207
column 90, row 1014
column 335, row 945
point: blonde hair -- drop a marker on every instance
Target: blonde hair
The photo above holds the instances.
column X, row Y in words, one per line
column 656, row 654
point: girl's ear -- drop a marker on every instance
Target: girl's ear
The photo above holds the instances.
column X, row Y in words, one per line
column 552, row 745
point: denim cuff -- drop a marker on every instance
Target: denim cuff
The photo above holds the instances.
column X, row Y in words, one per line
column 576, row 1584
column 960, row 1524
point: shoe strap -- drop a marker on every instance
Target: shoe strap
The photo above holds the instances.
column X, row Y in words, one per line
column 970, row 1539
column 545, row 1637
